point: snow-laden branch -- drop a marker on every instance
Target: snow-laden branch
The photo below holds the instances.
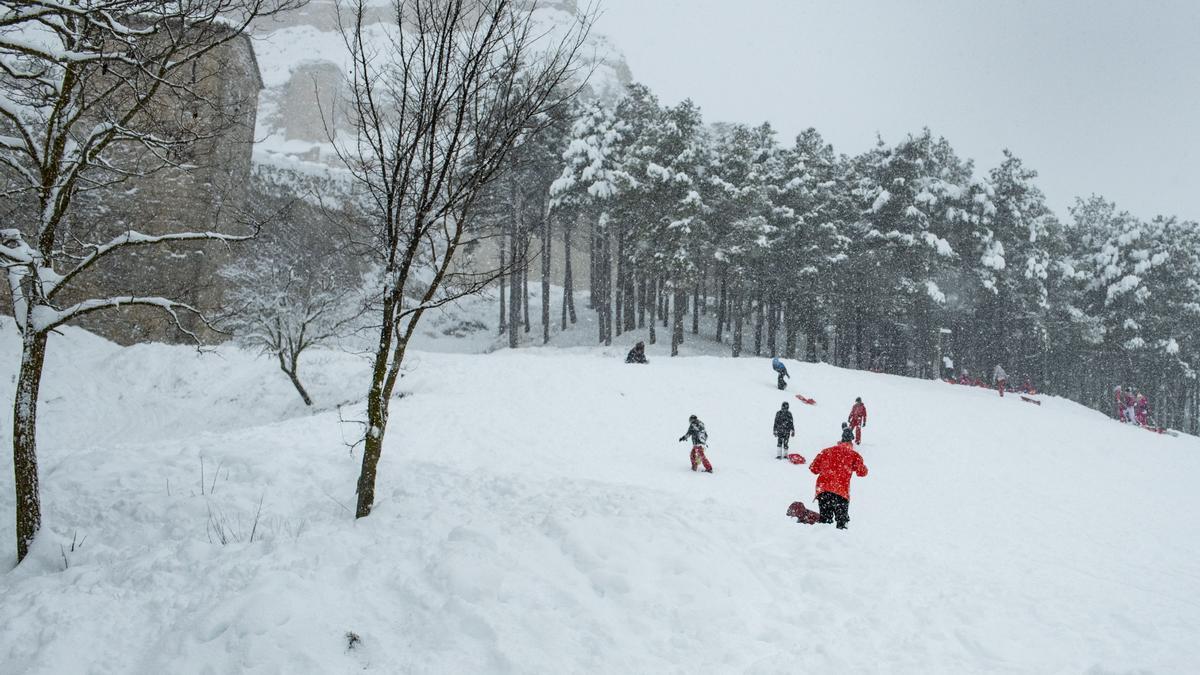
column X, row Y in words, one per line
column 44, row 317
column 133, row 238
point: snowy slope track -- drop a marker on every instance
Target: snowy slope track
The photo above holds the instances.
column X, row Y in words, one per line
column 536, row 513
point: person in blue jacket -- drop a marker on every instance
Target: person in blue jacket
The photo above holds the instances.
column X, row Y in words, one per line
column 781, row 369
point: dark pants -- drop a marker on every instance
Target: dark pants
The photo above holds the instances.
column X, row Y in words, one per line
column 781, row 383
column 834, row 507
column 781, row 443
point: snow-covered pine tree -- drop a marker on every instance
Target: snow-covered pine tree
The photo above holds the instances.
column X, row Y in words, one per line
column 584, row 190
column 909, row 200
column 809, row 268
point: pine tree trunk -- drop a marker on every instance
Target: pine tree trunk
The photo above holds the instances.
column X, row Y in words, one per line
column 568, row 278
column 677, row 324
column 547, row 239
column 604, row 284
column 514, row 286
column 643, row 293
column 721, row 316
column 665, row 303
column 525, row 293
column 503, row 283
column 619, row 289
column 653, row 299
column 630, row 294
column 696, row 308
column 593, row 263
column 25, row 464
column 790, row 325
column 758, row 325
column 736, row 306
column 772, row 329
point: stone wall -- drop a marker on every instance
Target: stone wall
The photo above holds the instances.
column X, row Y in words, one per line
column 210, row 191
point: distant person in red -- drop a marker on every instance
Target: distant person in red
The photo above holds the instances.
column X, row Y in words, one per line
column 834, row 466
column 1119, row 403
column 1028, row 387
column 1141, row 410
column 1001, row 378
column 1127, row 402
column 858, row 419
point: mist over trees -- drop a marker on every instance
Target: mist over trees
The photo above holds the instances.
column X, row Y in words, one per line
column 905, row 259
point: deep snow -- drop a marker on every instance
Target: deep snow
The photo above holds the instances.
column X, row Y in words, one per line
column 536, row 514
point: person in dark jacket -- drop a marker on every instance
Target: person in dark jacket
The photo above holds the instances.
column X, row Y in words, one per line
column 699, row 437
column 784, row 427
column 637, row 354
column 834, row 467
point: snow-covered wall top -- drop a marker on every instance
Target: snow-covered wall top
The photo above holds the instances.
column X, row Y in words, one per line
column 303, row 62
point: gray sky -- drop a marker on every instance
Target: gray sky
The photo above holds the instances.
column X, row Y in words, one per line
column 1098, row 97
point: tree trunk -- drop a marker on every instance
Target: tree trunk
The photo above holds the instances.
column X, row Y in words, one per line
column 696, row 308
column 665, row 302
column 652, row 298
column 378, row 399
column 568, row 280
column 736, row 306
column 291, row 371
column 514, row 285
column 721, row 316
column 525, row 292
column 643, row 293
column 772, row 328
column 604, row 285
column 758, row 326
column 25, row 467
column 503, row 309
column 630, row 295
column 619, row 290
column 677, row 314
column 790, row 326
column 547, row 227
column 593, row 264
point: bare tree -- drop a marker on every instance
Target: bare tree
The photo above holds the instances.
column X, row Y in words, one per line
column 291, row 294
column 90, row 96
column 435, row 113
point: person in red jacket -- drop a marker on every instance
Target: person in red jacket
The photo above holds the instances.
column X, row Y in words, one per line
column 834, row 466
column 858, row 419
column 1141, row 410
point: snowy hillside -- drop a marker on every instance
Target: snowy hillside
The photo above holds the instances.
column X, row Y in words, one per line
column 536, row 513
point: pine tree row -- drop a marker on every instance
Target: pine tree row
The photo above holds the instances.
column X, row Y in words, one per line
column 902, row 259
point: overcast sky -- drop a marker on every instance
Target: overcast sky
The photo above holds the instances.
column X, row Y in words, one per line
column 1099, row 97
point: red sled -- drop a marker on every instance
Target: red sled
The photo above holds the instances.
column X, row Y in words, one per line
column 1031, row 400
column 796, row 459
column 1162, row 430
column 810, row 401
column 802, row 515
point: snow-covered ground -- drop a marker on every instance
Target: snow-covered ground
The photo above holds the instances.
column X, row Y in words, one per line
column 536, row 513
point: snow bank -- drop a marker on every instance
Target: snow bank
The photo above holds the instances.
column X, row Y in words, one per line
column 536, row 514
